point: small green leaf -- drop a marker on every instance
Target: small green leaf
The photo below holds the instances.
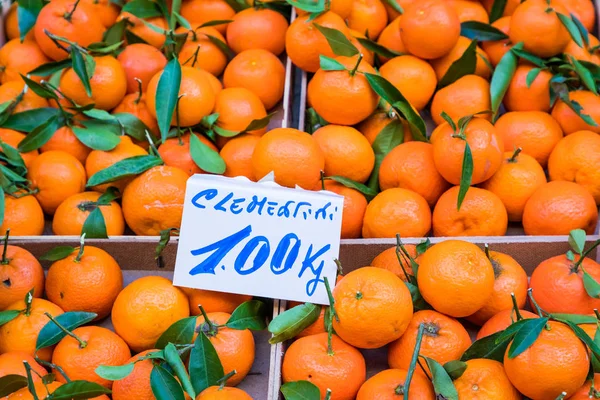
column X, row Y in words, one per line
column 291, row 322
column 8, row 315
column 571, row 28
column 79, row 390
column 349, row 183
column 164, row 385
column 180, row 332
column 128, row 167
column 114, row 372
column 132, row 38
column 488, row 347
column 11, row 383
column 27, row 121
column 165, row 237
column 339, row 43
column 94, row 226
column 205, row 367
column 97, row 135
column 502, row 76
column 570, row 255
column 308, row 5
column 13, row 157
column 225, row 132
column 50, row 68
column 585, row 338
column 38, row 89
column 582, row 30
column 259, row 123
column 167, row 94
column 592, row 287
column 497, row 10
column 390, row 136
column 222, row 46
column 531, row 76
column 206, row 158
column 174, row 360
column 481, row 31
column 58, row 253
column 378, row 49
column 110, row 195
column 511, row 331
column 2, row 205
column 249, row 315
column 585, row 75
column 84, row 66
column 577, row 319
column 27, row 12
column 40, row 135
column 455, row 368
column 216, row 22
column 142, row 8
column 395, row 6
column 466, row 175
column 52, row 334
column 526, row 336
column 330, row 64
column 442, row 384
column 132, row 125
column 577, row 240
column 115, row 33
column 419, row 302
column 532, row 58
column 465, row 65
column 300, row 390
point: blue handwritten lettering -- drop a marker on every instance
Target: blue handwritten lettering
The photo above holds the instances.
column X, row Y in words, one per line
column 284, row 210
column 299, row 206
column 209, row 194
column 259, row 259
column 219, row 205
column 282, row 251
column 322, row 211
column 220, row 248
column 235, row 208
column 308, row 263
column 256, row 203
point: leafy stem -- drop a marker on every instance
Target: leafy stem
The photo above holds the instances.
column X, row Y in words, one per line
column 81, row 248
column 585, row 254
column 513, row 158
column 212, row 328
column 516, row 307
column 69, row 15
column 82, row 343
column 403, row 389
column 539, row 311
column 353, row 71
column 5, row 248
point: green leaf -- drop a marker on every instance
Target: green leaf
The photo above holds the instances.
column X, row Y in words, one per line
column 577, row 108
column 466, row 175
column 300, row 390
column 40, row 135
column 110, row 195
column 531, row 76
column 38, row 89
column 511, row 331
column 164, row 385
column 115, row 33
column 224, row 132
column 13, row 157
column 27, row 12
column 94, row 226
column 97, row 135
column 27, row 121
column 165, row 237
column 390, row 136
column 455, row 368
column 142, row 8
column 52, row 334
column 378, row 49
column 526, row 336
column 122, row 169
column 132, row 38
column 222, row 46
column 592, row 287
column 497, row 10
column 577, row 319
column 291, row 322
column 442, row 384
column 259, row 123
column 79, row 390
column 585, row 75
column 132, row 125
column 330, row 64
column 180, row 332
column 206, row 158
column 166, row 95
column 50, row 68
column 502, row 76
column 349, row 183
column 419, row 302
column 11, row 383
column 216, row 22
column 205, row 367
column 532, row 58
column 465, row 65
column 84, row 66
column 8, row 315
column 339, row 43
column 182, row 21
column 582, row 30
column 481, row 31
column 58, row 253
column 571, row 28
column 174, row 360
column 114, row 372
column 249, row 315
column 577, row 240
column 488, row 347
column 104, row 48
column 585, row 338
column 392, row 95
column 2, row 205
column 308, row 5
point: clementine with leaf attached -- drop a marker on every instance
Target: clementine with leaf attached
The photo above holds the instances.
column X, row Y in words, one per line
column 501, row 321
column 213, row 301
column 136, row 385
column 154, row 37
column 11, row 363
column 64, row 139
column 137, row 105
column 71, row 214
column 175, row 152
column 390, row 383
column 388, row 259
column 13, row 138
column 442, row 65
column 23, row 100
column 568, row 120
column 237, row 108
column 199, row 50
column 496, row 49
column 391, row 39
column 528, row 92
column 368, row 16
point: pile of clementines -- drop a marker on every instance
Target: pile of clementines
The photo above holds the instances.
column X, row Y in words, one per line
column 449, row 118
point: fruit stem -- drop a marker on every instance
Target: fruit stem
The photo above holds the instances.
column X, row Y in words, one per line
column 328, row 395
column 340, row 269
column 353, row 71
column 322, row 180
column 139, row 97
column 424, row 370
column 69, row 15
column 401, row 249
column 513, row 158
column 486, row 247
column 82, row 343
column 585, row 253
column 194, row 57
column 224, row 379
column 4, row 259
column 81, row 248
column 30, row 385
column 28, row 302
column 398, row 255
column 536, row 306
column 151, row 143
column 212, row 328
column 53, row 366
column 516, row 307
column 332, row 314
column 413, row 362
column 331, row 299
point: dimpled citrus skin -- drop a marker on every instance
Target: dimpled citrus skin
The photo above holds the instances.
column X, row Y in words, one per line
column 136, row 385
column 557, row 361
column 19, row 275
column 374, row 297
column 455, row 277
column 485, row 379
column 383, row 385
column 501, row 321
column 307, row 359
column 145, row 309
column 225, row 393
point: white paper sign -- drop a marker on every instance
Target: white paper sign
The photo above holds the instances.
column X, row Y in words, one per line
column 259, row 239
